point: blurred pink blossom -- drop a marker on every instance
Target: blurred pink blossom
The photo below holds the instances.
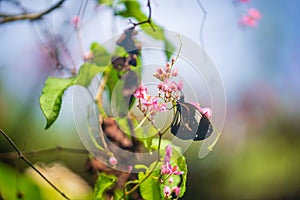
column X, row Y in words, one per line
column 250, row 18
column 75, row 20
column 113, row 160
column 168, row 154
column 167, row 191
column 176, row 189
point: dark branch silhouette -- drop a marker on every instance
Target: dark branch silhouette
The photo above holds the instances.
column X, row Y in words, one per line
column 22, row 157
column 148, row 20
column 4, row 18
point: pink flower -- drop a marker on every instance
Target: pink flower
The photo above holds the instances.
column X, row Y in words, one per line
column 149, row 101
column 141, row 92
column 180, row 85
column 169, row 150
column 169, row 169
column 176, row 189
column 159, row 71
column 113, row 160
column 170, row 86
column 206, row 111
column 161, row 107
column 75, row 20
column 171, row 180
column 250, row 18
column 247, row 21
column 168, row 153
column 167, row 191
column 168, row 68
column 254, row 13
column 175, row 72
column 175, row 170
column 166, row 169
column 157, row 107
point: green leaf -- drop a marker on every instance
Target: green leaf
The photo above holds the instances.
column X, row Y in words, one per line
column 101, row 55
column 120, row 51
column 169, row 48
column 12, row 184
column 150, row 188
column 123, row 124
column 87, row 72
column 112, row 79
column 103, row 183
column 51, row 98
column 118, row 194
column 106, row 2
column 150, row 136
column 183, row 167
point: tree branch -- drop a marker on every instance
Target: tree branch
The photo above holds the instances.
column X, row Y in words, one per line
column 29, row 16
column 148, row 20
column 22, row 157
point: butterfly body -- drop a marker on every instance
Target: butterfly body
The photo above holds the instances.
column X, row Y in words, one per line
column 189, row 123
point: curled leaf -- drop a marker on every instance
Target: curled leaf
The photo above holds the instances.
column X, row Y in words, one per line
column 51, row 98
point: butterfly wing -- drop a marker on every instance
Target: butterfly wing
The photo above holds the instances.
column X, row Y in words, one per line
column 189, row 123
column 176, row 121
column 204, row 128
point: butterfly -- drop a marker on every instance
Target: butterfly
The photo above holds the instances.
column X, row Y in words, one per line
column 189, row 123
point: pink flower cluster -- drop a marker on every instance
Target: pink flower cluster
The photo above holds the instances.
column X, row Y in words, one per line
column 166, row 86
column 167, row 72
column 148, row 103
column 251, row 18
column 169, row 170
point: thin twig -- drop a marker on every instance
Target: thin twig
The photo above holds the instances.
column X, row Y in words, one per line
column 148, row 20
column 29, row 16
column 22, row 157
column 78, row 29
column 202, row 22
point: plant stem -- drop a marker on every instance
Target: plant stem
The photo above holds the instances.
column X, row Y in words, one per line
column 21, row 156
column 29, row 16
column 98, row 98
column 149, row 174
